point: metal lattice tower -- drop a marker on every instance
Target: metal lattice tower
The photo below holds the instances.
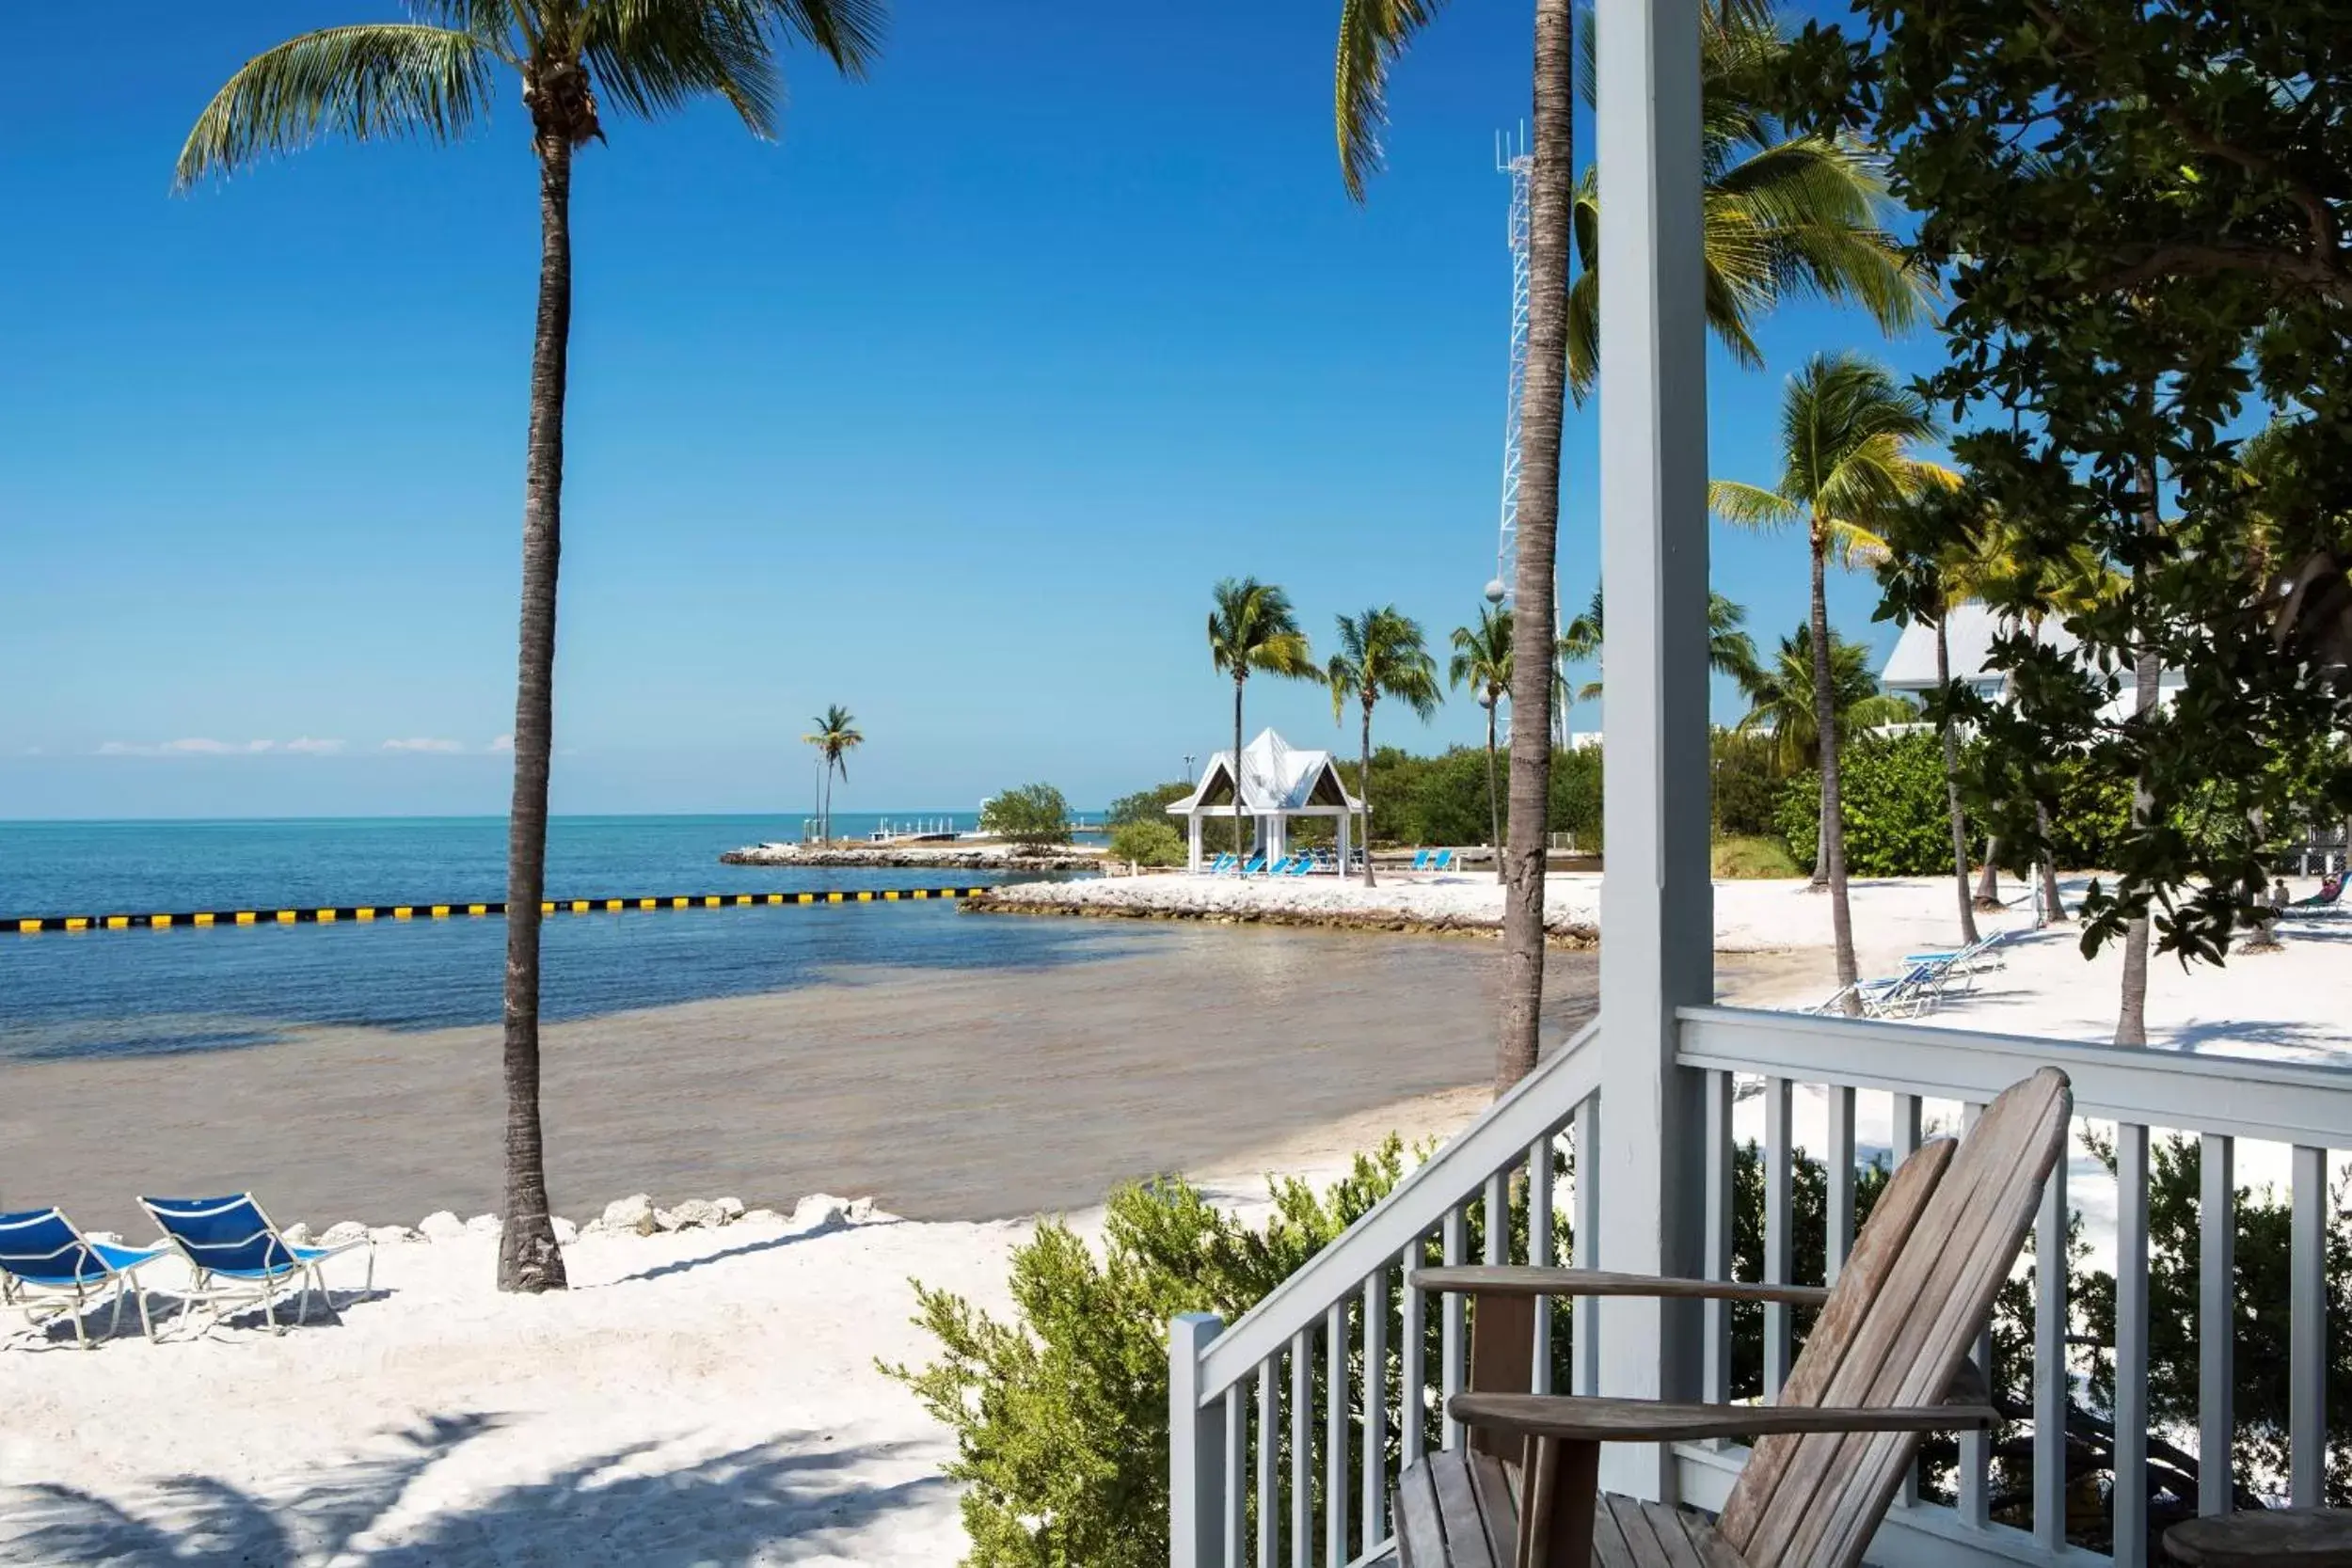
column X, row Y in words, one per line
column 1513, row 158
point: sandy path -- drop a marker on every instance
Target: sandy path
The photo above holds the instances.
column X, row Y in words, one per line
column 943, row 1094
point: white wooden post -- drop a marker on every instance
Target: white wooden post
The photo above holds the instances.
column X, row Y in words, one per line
column 1193, row 825
column 1657, row 902
column 1343, row 845
column 1195, row 1448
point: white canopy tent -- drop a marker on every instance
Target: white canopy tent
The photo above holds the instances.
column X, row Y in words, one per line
column 1277, row 783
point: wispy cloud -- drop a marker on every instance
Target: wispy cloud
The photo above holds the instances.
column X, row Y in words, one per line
column 200, row 746
column 423, row 743
column 504, row 743
column 313, row 747
column 205, row 746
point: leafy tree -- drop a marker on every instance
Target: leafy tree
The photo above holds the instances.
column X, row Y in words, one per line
column 1032, row 814
column 1147, row 805
column 1251, row 628
column 1381, row 654
column 834, row 737
column 1896, row 818
column 575, row 61
column 2142, row 214
column 1785, row 215
column 1847, row 432
column 1483, row 658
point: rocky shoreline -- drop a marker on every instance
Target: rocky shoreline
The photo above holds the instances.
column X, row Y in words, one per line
column 1454, row 908
column 932, row 857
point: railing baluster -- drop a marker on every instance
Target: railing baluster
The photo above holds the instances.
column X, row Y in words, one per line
column 1904, row 1142
column 1778, row 1243
column 1269, row 1443
column 1302, row 1449
column 1376, row 1466
column 2217, row 1269
column 1839, row 1190
column 1974, row 1506
column 2131, row 1345
column 1584, row 1322
column 2050, row 1388
column 1716, row 1315
column 1412, row 1405
column 1539, row 1255
column 1236, row 1485
column 1450, row 1348
column 1498, row 1218
column 1335, row 1487
column 2307, row 1320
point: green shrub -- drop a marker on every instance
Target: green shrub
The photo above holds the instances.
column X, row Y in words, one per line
column 1033, row 814
column 1753, row 856
column 1148, row 843
column 1898, row 815
column 1576, row 796
column 1747, row 783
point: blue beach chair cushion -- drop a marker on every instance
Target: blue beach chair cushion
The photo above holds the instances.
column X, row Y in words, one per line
column 48, row 1268
column 229, row 1240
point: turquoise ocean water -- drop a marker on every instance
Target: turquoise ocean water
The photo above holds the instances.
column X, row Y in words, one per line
column 144, row 992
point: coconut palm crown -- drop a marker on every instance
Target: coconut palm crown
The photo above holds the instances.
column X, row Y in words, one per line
column 1485, row 660
column 1252, row 629
column 836, row 737
column 575, row 64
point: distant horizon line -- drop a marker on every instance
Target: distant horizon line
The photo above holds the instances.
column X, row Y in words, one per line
column 499, row 816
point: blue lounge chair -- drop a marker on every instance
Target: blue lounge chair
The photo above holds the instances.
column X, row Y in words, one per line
column 1421, row 860
column 1220, row 865
column 49, row 1269
column 1442, row 861
column 1257, row 863
column 239, row 1259
column 1303, row 864
column 1282, row 866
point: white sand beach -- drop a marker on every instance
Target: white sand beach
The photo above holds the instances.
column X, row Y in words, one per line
column 711, row 1396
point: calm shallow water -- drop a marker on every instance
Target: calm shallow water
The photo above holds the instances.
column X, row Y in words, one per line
column 140, row 991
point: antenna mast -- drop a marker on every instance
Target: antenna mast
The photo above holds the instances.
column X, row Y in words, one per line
column 1513, row 158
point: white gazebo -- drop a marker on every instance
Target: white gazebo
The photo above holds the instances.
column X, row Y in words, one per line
column 1277, row 783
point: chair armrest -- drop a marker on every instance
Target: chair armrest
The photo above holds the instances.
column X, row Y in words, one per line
column 1514, row 1280
column 1593, row 1419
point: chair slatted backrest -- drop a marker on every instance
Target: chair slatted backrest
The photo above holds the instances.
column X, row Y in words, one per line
column 227, row 1235
column 1909, row 1304
column 40, row 1245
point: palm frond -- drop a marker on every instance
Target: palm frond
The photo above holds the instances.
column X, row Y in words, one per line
column 370, row 83
column 1372, row 34
column 1750, row 506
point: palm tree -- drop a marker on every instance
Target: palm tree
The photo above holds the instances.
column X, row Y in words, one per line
column 1804, row 221
column 1251, row 627
column 1485, row 659
column 1847, row 433
column 834, row 737
column 434, row 78
column 1381, row 654
column 1780, row 698
column 1730, row 651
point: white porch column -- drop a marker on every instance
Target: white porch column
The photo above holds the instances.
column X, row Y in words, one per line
column 1656, row 903
column 1343, row 845
column 1192, row 824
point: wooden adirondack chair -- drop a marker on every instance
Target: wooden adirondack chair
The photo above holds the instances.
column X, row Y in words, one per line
column 1887, row 1361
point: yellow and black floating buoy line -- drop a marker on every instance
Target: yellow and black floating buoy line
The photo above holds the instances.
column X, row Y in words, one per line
column 333, row 914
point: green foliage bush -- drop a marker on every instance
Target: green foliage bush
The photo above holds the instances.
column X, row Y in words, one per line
column 1898, row 815
column 1033, row 814
column 1747, row 784
column 1147, row 805
column 1148, row 843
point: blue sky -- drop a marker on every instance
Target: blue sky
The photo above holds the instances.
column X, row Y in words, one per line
column 949, row 407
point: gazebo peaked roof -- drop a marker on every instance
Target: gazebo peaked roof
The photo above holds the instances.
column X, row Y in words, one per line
column 1276, row 778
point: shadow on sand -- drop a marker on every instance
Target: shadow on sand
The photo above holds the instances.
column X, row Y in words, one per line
column 772, row 1502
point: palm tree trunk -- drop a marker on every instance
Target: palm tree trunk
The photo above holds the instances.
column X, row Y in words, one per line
column 1951, row 791
column 1989, row 884
column 1494, row 797
column 2053, row 910
column 1534, row 625
column 2131, row 1017
column 529, row 1258
column 1363, row 792
column 1240, row 855
column 1832, row 860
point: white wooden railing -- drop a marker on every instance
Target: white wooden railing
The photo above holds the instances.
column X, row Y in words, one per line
column 1248, row 1422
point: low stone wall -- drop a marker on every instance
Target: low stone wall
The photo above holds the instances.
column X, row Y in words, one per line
column 935, row 857
column 1447, row 908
